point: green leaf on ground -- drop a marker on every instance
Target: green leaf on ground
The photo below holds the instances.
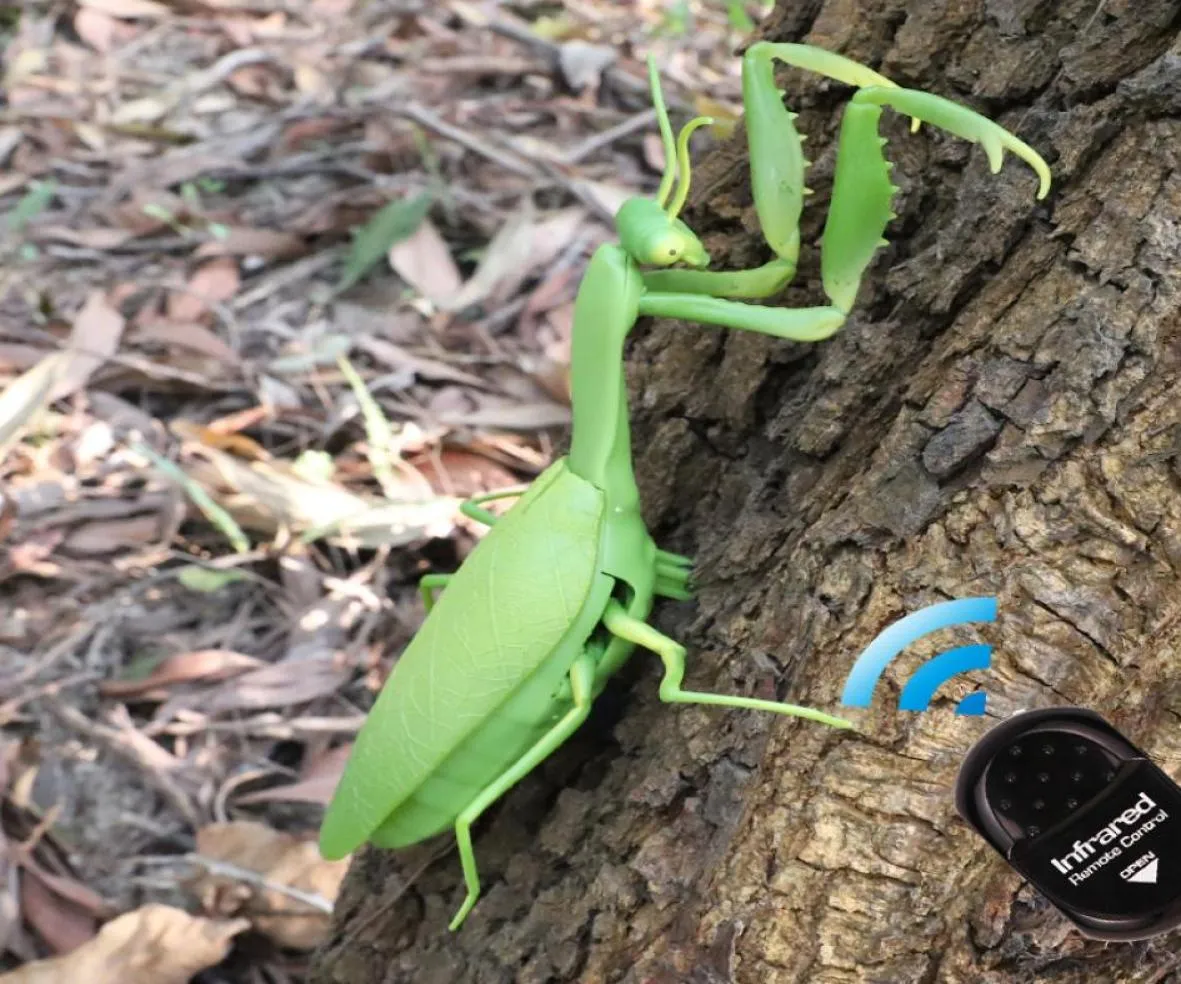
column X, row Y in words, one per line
column 208, row 579
column 739, row 19
column 389, row 225
column 34, row 201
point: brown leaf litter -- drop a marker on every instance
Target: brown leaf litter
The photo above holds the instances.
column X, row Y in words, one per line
column 237, row 415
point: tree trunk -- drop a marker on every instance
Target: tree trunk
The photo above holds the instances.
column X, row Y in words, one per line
column 999, row 417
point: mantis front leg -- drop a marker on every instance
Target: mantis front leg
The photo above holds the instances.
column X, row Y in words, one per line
column 797, row 324
column 861, row 197
column 759, row 282
column 777, row 167
column 777, row 162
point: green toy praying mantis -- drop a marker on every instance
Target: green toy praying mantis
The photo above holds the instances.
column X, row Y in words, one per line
column 556, row 596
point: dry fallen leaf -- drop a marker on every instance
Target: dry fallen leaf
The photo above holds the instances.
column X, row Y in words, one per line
column 278, row 685
column 96, row 28
column 60, row 922
column 94, row 238
column 17, row 358
column 606, row 196
column 94, row 338
column 12, row 182
column 424, row 262
column 147, row 211
column 213, row 283
column 554, row 233
column 522, row 416
column 281, row 862
column 110, row 536
column 129, row 9
column 12, row 935
column 200, row 664
column 188, row 335
column 316, row 785
column 28, row 395
column 27, row 63
column 653, row 150
column 508, row 260
column 155, row 944
column 222, row 438
column 583, row 64
column 394, row 356
column 464, row 474
column 247, row 241
column 306, row 131
column 265, row 496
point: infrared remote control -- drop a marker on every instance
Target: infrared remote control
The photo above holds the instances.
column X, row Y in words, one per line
column 1083, row 814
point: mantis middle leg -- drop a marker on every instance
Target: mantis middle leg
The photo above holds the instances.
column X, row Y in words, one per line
column 673, row 576
column 431, row 584
column 471, row 509
column 582, row 675
column 672, row 654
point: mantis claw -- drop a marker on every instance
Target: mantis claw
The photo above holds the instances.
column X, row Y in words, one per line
column 862, row 190
column 961, row 122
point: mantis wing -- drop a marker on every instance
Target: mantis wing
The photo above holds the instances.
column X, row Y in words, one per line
column 503, row 613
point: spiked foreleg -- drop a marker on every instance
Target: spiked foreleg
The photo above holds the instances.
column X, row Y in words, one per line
column 817, row 60
column 777, row 161
column 860, row 207
column 862, row 190
column 962, row 122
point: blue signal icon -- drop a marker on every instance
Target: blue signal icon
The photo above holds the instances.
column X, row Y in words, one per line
column 921, row 687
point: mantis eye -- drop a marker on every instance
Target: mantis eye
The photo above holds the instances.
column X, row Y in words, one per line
column 667, row 249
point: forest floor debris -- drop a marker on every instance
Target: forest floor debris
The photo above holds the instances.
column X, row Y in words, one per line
column 280, row 284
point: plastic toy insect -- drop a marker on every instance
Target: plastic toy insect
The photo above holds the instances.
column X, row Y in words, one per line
column 555, row 597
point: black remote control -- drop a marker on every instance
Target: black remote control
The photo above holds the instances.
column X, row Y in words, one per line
column 1082, row 813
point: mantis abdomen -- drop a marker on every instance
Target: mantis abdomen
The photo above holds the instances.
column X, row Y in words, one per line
column 519, row 724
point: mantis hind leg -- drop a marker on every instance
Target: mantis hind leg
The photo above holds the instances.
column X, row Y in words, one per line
column 429, row 585
column 582, row 675
column 672, row 654
column 472, row 508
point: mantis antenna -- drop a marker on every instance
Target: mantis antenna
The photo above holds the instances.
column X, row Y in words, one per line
column 678, row 202
column 666, row 134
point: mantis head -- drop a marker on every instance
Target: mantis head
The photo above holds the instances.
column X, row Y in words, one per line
column 654, row 238
column 649, row 228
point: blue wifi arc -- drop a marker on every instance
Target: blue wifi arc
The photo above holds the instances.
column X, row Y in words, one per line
column 921, row 687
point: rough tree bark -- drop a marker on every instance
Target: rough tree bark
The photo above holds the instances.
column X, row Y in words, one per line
column 1000, row 416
